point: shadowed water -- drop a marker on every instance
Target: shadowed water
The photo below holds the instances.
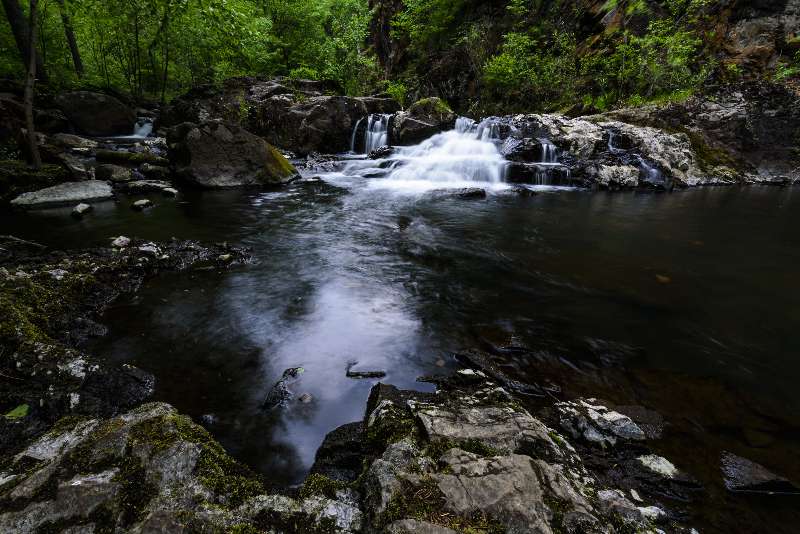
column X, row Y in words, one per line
column 685, row 303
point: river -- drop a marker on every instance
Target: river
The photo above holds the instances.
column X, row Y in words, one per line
column 684, row 302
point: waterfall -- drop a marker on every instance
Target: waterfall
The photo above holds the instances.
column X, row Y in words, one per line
column 465, row 125
column 549, row 153
column 377, row 132
column 143, row 129
column 457, row 158
column 355, row 132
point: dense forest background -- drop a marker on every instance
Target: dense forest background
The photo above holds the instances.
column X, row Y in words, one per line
column 481, row 56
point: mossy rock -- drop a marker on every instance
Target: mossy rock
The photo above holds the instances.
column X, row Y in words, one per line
column 433, row 108
column 17, row 177
column 114, row 156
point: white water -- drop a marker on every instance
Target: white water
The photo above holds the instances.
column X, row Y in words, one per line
column 353, row 138
column 377, row 134
column 141, row 130
column 549, row 152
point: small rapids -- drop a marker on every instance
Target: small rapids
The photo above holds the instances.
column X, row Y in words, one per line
column 467, row 156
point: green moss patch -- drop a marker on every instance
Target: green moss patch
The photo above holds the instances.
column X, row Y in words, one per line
column 425, row 502
column 439, row 447
column 16, row 177
column 317, row 484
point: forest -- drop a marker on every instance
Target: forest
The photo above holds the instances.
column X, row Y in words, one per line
column 520, row 55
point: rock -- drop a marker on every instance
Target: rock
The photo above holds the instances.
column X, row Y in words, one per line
column 596, row 423
column 412, row 526
column 218, row 155
column 279, row 394
column 743, row 476
column 145, row 186
column 169, row 192
column 132, row 158
column 154, row 172
column 615, row 502
column 659, row 465
column 64, row 194
column 381, row 153
column 465, row 193
column 97, row 114
column 141, row 205
column 113, row 173
column 80, row 210
column 305, row 398
column 618, row 176
column 423, row 119
column 121, row 242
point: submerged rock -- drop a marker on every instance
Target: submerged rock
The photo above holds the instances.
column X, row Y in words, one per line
column 744, row 476
column 280, row 393
column 80, row 210
column 64, row 194
column 219, row 155
column 141, row 205
column 465, row 192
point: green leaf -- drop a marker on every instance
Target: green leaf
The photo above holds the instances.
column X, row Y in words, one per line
column 18, row 413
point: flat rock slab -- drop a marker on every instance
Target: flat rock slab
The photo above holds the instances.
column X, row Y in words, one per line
column 69, row 193
column 745, row 476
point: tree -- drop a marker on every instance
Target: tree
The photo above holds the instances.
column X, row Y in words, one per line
column 30, row 81
column 19, row 27
column 69, row 33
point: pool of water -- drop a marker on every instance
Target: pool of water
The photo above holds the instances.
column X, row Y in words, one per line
column 686, row 303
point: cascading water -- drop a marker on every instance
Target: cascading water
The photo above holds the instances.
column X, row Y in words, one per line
column 463, row 157
column 355, row 132
column 549, row 153
column 143, row 129
column 377, row 134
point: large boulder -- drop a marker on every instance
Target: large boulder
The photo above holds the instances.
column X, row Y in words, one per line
column 68, row 193
column 217, row 154
column 423, row 119
column 318, row 124
column 97, row 114
column 296, row 115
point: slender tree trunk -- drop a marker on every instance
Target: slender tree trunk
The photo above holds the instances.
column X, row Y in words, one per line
column 19, row 27
column 69, row 33
column 33, row 146
column 166, row 54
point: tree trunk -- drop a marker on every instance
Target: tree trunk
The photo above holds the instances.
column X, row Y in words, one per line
column 19, row 27
column 33, row 146
column 71, row 41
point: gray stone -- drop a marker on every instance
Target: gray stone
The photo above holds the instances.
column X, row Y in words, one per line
column 141, row 205
column 744, row 476
column 618, row 175
column 596, row 423
column 97, row 114
column 64, row 194
column 81, row 209
column 219, row 155
column 113, row 173
column 412, row 526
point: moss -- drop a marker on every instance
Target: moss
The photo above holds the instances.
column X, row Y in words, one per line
column 277, row 166
column 135, row 491
column 317, row 484
column 437, row 448
column 708, row 156
column 65, row 424
column 425, row 502
column 112, row 156
column 35, row 307
column 19, row 412
column 244, row 528
column 391, row 429
column 430, row 106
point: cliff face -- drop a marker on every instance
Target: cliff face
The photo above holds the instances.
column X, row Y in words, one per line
column 749, row 38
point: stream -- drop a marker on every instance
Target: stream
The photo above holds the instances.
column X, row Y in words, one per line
column 686, row 303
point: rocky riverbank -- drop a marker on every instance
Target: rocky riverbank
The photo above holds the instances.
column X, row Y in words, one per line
column 84, row 451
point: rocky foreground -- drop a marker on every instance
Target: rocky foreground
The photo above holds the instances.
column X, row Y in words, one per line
column 82, row 451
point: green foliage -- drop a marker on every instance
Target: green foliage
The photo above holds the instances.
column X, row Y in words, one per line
column 788, row 69
column 398, row 91
column 427, row 23
column 155, row 48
